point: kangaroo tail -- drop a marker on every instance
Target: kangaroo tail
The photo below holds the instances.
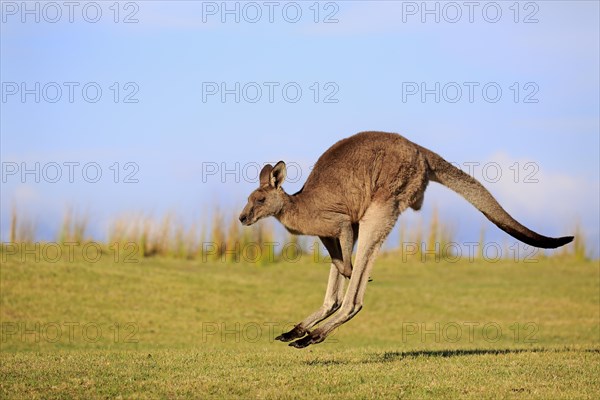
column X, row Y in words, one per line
column 443, row 172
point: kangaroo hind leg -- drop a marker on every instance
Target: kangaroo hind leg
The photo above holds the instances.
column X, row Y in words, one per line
column 333, row 295
column 375, row 226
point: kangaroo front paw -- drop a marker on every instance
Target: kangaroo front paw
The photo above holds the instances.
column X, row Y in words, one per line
column 347, row 272
column 295, row 333
column 311, row 338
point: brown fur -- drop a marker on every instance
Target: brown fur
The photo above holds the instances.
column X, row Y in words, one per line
column 356, row 192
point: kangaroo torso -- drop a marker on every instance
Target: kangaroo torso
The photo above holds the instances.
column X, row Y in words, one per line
column 365, row 167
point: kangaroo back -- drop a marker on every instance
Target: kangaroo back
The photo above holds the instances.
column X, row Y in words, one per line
column 443, row 172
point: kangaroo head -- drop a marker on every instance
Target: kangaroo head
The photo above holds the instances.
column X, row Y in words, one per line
column 269, row 198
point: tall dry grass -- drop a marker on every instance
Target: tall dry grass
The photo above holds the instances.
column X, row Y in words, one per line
column 74, row 227
column 425, row 242
column 225, row 241
column 22, row 229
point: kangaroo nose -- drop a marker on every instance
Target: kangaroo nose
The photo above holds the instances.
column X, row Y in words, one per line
column 243, row 219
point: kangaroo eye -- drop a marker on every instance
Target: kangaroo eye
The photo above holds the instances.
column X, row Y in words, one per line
column 260, row 201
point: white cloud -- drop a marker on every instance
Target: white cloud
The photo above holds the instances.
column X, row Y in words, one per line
column 529, row 187
column 25, row 195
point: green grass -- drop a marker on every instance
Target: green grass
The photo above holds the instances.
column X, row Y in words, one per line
column 167, row 328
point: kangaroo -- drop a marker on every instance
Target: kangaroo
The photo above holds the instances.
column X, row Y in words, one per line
column 355, row 193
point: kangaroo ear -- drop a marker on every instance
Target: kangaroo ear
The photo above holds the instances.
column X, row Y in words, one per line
column 265, row 175
column 278, row 175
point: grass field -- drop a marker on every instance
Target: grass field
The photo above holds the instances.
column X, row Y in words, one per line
column 165, row 328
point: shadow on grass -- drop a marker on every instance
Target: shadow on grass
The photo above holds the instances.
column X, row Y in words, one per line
column 398, row 355
column 401, row 355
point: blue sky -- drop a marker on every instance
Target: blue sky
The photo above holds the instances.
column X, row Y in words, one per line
column 365, row 62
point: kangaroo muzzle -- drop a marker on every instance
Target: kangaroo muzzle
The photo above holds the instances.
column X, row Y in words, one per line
column 247, row 217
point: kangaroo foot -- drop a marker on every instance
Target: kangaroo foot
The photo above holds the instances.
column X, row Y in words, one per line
column 295, row 333
column 311, row 338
